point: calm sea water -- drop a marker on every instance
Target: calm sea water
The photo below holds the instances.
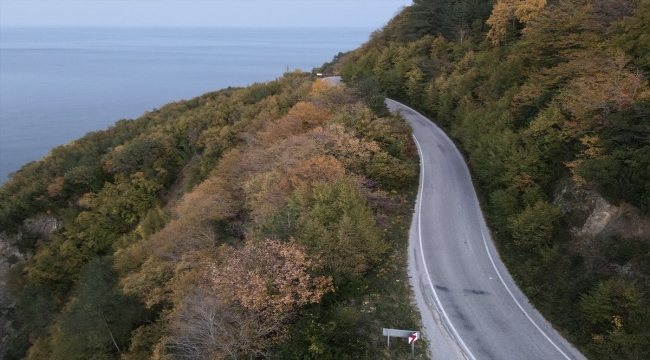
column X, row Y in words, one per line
column 56, row 84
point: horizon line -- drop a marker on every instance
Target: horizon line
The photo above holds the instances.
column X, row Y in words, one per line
column 191, row 26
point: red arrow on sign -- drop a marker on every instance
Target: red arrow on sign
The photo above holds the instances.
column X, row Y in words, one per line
column 412, row 338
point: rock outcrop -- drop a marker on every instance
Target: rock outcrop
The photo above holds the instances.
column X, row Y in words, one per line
column 593, row 216
column 10, row 257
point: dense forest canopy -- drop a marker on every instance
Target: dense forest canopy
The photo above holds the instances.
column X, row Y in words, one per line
column 269, row 221
column 548, row 100
column 257, row 222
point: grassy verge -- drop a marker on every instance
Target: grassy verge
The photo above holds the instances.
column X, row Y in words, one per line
column 390, row 297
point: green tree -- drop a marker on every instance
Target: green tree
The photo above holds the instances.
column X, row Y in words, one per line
column 633, row 35
column 534, row 227
column 339, row 227
column 617, row 311
column 622, row 175
column 99, row 320
column 392, row 173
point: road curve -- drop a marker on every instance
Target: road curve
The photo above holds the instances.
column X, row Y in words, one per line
column 469, row 303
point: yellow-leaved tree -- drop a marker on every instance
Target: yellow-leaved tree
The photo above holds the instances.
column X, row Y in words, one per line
column 506, row 12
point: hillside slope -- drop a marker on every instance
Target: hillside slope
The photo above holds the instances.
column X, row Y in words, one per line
column 262, row 222
column 551, row 106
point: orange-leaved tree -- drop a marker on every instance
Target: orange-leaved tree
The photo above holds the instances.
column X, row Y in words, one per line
column 272, row 278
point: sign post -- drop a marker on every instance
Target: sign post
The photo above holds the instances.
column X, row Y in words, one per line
column 412, row 339
column 411, row 335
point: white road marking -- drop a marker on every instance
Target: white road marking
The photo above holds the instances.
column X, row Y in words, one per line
column 426, row 269
column 489, row 256
column 513, row 297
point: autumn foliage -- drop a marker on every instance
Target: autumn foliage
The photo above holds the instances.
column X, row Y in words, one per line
column 548, row 100
column 216, row 224
column 506, row 12
column 271, row 278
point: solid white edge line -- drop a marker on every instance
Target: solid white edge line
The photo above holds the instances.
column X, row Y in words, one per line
column 515, row 299
column 426, row 269
column 489, row 256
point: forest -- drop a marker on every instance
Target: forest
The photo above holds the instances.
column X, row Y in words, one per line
column 549, row 101
column 261, row 222
column 270, row 221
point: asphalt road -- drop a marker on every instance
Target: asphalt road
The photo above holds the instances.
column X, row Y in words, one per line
column 470, row 306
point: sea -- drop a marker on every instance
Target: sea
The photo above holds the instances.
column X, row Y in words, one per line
column 57, row 84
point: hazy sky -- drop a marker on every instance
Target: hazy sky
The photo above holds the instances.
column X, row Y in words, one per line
column 221, row 13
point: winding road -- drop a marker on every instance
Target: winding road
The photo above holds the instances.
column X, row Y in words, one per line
column 470, row 305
